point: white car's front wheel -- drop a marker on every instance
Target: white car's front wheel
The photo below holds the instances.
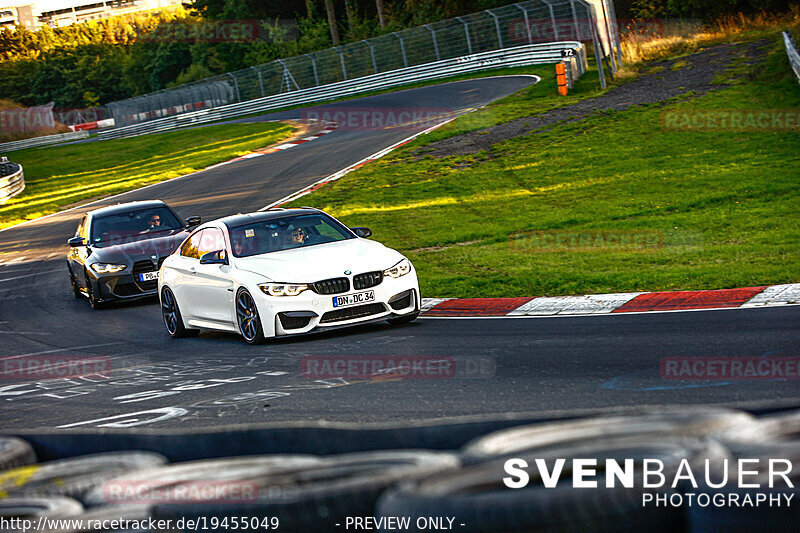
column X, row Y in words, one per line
column 172, row 316
column 248, row 319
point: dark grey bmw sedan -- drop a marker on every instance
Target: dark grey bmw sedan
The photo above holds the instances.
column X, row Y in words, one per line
column 117, row 250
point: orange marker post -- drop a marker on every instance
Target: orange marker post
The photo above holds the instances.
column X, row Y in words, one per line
column 561, row 78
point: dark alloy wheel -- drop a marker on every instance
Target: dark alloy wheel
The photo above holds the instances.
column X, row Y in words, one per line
column 76, row 289
column 248, row 319
column 172, row 316
column 94, row 302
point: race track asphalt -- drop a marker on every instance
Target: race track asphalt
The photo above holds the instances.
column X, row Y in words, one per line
column 458, row 366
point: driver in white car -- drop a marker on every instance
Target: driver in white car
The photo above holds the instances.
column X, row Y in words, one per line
column 298, row 237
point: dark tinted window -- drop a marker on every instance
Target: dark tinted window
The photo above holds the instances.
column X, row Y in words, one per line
column 286, row 233
column 119, row 226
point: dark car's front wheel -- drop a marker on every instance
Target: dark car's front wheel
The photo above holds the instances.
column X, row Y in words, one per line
column 76, row 289
column 172, row 316
column 248, row 319
column 94, row 301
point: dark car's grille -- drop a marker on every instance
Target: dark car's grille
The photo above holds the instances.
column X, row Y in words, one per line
column 126, row 289
column 140, row 267
column 367, row 280
column 349, row 313
column 332, row 286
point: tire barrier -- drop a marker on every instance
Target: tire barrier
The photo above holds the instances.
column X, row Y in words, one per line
column 12, row 180
column 73, row 477
column 314, row 492
column 688, row 422
column 14, row 453
column 320, row 496
column 734, row 519
column 477, row 495
column 28, row 508
column 256, row 469
column 771, row 437
column 781, row 428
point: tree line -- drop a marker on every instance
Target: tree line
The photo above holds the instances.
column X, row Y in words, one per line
column 93, row 63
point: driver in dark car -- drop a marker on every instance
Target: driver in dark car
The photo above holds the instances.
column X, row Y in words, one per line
column 154, row 223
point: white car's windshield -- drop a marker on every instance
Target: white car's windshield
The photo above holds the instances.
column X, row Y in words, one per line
column 285, row 233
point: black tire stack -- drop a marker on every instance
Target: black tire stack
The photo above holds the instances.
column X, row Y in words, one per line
column 318, row 493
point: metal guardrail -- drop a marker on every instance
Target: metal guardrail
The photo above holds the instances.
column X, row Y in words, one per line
column 519, row 56
column 791, row 51
column 12, row 180
column 504, row 27
column 42, row 141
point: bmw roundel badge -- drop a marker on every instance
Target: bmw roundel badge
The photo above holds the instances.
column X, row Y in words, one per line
column 347, row 272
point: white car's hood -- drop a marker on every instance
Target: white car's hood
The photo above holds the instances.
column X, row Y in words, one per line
column 321, row 261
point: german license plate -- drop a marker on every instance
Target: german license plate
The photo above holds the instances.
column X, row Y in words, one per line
column 148, row 276
column 354, row 299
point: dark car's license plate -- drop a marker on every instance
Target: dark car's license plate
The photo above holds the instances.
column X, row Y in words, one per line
column 148, row 276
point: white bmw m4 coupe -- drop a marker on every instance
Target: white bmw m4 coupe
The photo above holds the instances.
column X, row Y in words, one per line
column 283, row 272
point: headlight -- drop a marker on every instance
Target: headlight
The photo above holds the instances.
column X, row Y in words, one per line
column 400, row 269
column 282, row 289
column 107, row 268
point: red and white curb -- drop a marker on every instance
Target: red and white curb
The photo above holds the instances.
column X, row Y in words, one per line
column 329, row 127
column 604, row 304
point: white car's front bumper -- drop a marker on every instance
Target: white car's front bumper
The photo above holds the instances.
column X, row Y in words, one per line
column 309, row 311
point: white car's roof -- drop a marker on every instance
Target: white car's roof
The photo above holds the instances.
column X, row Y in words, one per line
column 259, row 216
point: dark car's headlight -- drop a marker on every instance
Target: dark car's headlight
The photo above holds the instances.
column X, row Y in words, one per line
column 400, row 269
column 107, row 268
column 282, row 289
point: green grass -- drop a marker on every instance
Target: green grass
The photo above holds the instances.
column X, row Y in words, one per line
column 538, row 98
column 60, row 176
column 723, row 205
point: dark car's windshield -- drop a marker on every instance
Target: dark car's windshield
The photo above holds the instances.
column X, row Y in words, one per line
column 285, row 233
column 123, row 226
